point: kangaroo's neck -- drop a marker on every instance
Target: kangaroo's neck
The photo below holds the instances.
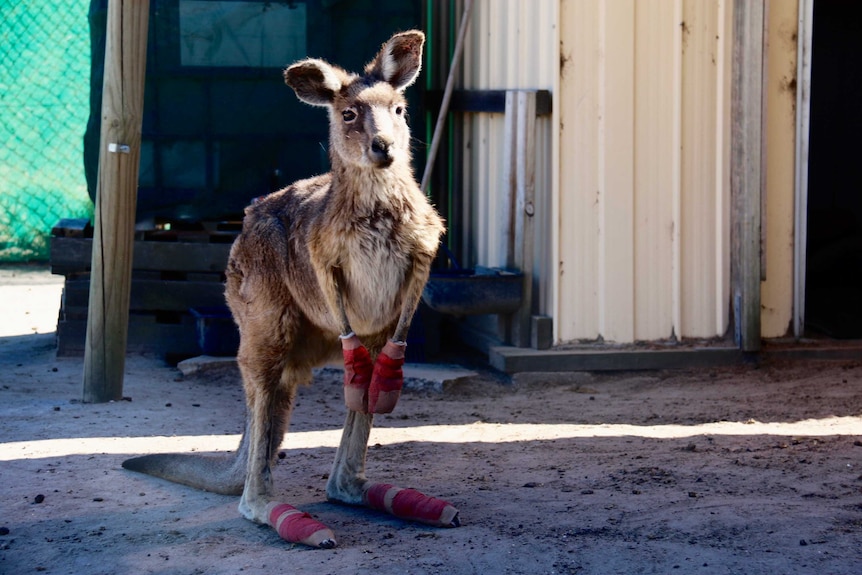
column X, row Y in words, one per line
column 372, row 185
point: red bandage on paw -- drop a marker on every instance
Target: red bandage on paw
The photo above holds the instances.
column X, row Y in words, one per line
column 298, row 527
column 386, row 383
column 357, row 378
column 412, row 505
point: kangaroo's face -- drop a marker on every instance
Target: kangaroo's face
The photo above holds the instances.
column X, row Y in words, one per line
column 368, row 113
column 368, row 123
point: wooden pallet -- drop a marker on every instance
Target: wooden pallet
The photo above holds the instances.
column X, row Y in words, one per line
column 173, row 271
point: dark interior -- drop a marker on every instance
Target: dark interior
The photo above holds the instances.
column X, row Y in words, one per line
column 833, row 301
column 220, row 127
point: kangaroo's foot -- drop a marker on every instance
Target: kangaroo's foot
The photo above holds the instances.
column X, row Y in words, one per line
column 407, row 504
column 347, row 483
column 411, row 505
column 290, row 523
column 297, row 526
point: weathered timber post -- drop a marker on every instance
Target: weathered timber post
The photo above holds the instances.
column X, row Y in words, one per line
column 747, row 170
column 116, row 199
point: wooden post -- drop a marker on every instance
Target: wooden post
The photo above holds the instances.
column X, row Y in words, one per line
column 116, row 199
column 746, row 179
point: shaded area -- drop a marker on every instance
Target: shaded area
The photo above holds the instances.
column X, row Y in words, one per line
column 834, row 267
column 220, row 127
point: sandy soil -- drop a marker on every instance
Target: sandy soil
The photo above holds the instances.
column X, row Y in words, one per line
column 752, row 469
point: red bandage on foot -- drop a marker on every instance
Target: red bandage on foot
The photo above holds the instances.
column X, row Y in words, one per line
column 298, row 527
column 412, row 505
column 386, row 383
column 357, row 378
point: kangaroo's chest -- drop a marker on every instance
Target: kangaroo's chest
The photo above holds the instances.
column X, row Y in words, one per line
column 376, row 258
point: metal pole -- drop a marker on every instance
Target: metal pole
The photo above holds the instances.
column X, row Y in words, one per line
column 447, row 95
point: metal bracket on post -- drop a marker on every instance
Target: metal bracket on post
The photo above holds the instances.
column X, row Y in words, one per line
column 115, row 148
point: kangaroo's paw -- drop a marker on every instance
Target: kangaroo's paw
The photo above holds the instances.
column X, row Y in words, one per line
column 357, row 378
column 297, row 526
column 411, row 505
column 387, row 379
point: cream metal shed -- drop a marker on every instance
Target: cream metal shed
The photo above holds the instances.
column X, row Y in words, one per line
column 641, row 212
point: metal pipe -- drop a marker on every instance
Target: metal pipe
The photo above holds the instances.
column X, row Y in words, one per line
column 447, row 95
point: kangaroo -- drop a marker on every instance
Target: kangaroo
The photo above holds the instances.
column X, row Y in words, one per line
column 333, row 262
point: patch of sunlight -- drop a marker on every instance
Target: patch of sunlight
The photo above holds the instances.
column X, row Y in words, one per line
column 29, row 309
column 470, row 433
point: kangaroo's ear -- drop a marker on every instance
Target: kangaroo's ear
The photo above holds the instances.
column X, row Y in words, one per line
column 399, row 60
column 315, row 82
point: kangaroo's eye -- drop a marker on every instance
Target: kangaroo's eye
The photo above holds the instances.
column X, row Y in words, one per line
column 349, row 115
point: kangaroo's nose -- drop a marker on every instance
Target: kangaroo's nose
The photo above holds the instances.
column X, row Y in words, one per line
column 380, row 149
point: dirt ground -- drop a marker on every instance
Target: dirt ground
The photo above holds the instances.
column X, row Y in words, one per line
column 755, row 469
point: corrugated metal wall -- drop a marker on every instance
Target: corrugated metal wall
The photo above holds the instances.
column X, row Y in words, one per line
column 633, row 169
column 777, row 290
column 511, row 45
column 644, row 189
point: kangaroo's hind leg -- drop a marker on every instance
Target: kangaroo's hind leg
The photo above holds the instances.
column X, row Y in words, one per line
column 270, row 384
column 270, row 393
column 348, row 484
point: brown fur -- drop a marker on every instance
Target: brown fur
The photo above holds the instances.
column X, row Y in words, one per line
column 347, row 251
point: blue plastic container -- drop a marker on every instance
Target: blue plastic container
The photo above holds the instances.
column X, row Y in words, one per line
column 216, row 331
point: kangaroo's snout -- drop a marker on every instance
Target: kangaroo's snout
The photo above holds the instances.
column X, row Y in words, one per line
column 380, row 150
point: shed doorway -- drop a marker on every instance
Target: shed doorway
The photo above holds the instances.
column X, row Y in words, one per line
column 833, row 279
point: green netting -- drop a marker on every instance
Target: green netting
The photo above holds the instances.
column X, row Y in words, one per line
column 44, row 105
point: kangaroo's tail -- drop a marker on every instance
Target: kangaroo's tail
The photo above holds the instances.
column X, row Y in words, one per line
column 218, row 474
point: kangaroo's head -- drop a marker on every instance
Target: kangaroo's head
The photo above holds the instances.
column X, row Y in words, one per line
column 367, row 113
